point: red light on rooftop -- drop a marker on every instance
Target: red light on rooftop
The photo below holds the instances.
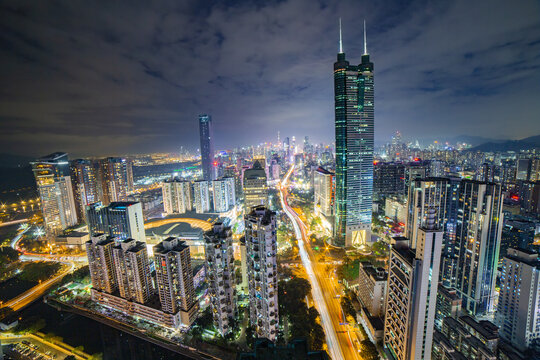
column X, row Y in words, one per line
column 416, row 159
column 515, row 197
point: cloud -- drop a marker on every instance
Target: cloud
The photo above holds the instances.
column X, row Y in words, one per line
column 95, row 78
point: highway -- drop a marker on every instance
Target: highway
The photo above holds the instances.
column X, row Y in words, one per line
column 324, row 291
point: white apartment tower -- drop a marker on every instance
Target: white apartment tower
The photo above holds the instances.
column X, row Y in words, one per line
column 261, row 239
column 201, row 196
column 224, row 194
column 177, row 198
column 220, row 275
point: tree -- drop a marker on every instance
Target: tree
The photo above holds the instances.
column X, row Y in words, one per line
column 347, row 306
column 369, row 350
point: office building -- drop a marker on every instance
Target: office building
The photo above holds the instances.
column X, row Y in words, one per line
column 518, row 310
column 388, row 179
column 55, row 192
column 221, row 276
column 324, row 187
column 255, row 187
column 177, row 196
column 523, row 169
column 354, row 123
column 85, row 185
column 395, row 209
column 201, row 196
column 372, row 284
column 479, row 224
column 120, row 220
column 260, row 225
column 99, row 250
column 411, row 300
column 132, row 270
column 113, row 178
column 207, row 147
column 174, row 279
column 224, row 194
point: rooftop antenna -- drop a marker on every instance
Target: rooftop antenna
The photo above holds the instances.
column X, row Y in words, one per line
column 340, row 38
column 365, row 41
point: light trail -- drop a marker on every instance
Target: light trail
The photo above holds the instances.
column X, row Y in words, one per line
column 331, row 337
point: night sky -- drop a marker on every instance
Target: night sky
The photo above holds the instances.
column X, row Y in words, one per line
column 111, row 77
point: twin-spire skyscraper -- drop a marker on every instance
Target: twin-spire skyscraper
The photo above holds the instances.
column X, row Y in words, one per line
column 354, row 116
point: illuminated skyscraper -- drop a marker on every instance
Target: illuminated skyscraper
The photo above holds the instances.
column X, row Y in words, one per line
column 55, row 192
column 101, row 263
column 85, row 186
column 224, row 194
column 207, row 147
column 354, row 117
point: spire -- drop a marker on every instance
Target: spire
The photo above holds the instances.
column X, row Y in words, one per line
column 365, row 41
column 340, row 39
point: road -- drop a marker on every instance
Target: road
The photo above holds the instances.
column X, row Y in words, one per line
column 37, row 291
column 324, row 292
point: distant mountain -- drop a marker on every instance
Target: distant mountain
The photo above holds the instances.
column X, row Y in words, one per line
column 14, row 161
column 532, row 142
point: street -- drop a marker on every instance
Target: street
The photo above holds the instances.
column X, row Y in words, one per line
column 338, row 337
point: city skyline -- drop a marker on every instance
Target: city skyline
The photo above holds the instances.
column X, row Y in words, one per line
column 152, row 66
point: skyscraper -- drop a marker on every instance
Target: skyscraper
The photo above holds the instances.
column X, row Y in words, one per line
column 120, row 220
column 218, row 248
column 261, row 245
column 207, row 147
column 323, row 193
column 354, row 120
column 255, row 187
column 518, row 310
column 174, row 278
column 85, row 185
column 101, row 264
column 55, row 192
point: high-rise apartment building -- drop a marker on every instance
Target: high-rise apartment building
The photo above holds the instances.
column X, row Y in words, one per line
column 224, row 194
column 412, row 294
column 201, row 196
column 174, row 279
column 85, row 185
column 177, row 196
column 220, row 275
column 255, row 187
column 518, row 310
column 55, row 192
column 99, row 251
column 207, row 147
column 260, row 225
column 448, row 305
column 133, row 271
column 324, row 190
column 372, row 284
column 120, row 220
column 354, row 120
column 113, row 178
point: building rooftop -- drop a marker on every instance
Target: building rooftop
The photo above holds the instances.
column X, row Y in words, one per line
column 377, row 274
column 322, row 170
column 485, row 328
column 170, row 244
column 53, row 157
column 122, row 204
column 261, row 210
